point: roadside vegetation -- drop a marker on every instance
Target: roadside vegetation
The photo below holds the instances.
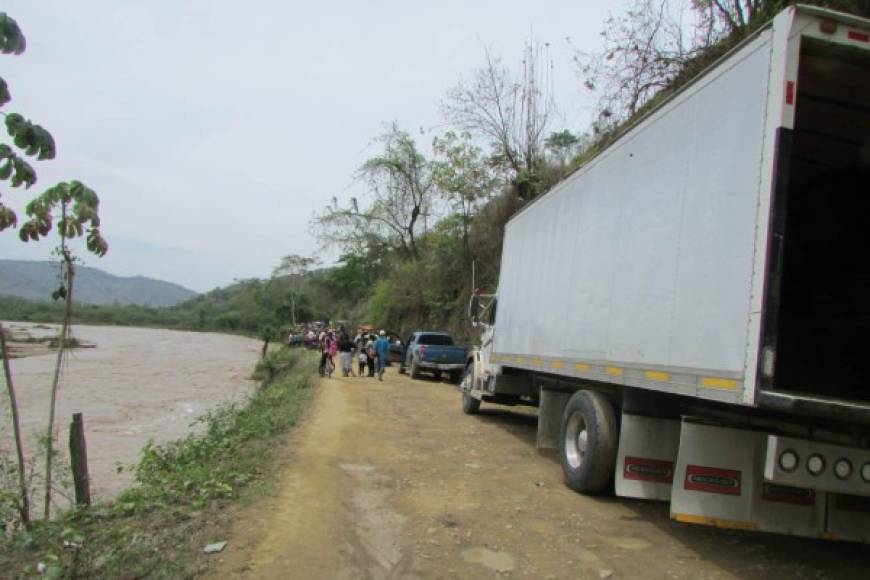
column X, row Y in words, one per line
column 183, row 491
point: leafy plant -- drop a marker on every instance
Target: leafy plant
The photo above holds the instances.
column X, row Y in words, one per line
column 72, row 205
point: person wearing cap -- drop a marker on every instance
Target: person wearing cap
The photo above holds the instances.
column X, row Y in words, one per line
column 382, row 348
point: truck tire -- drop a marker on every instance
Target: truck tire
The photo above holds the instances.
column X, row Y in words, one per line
column 588, row 442
column 470, row 405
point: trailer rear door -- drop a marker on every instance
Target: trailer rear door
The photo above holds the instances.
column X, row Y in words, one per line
column 818, row 307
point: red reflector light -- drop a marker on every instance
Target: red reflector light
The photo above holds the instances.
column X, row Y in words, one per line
column 789, row 93
column 859, row 36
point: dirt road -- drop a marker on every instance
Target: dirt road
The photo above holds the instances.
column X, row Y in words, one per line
column 391, row 480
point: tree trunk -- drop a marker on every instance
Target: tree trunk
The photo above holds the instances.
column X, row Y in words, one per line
column 24, row 506
column 415, row 213
column 61, row 346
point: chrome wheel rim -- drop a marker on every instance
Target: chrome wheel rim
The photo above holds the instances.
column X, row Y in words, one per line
column 576, row 440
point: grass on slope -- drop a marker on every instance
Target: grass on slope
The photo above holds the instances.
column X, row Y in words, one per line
column 158, row 527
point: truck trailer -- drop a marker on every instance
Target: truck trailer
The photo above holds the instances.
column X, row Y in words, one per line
column 690, row 310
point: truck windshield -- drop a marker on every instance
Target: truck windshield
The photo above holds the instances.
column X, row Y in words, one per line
column 435, row 340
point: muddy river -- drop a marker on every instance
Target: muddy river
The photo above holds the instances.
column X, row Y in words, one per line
column 135, row 384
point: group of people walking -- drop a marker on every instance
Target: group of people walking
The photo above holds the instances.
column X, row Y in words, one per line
column 371, row 353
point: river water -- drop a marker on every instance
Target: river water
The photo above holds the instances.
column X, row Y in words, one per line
column 137, row 385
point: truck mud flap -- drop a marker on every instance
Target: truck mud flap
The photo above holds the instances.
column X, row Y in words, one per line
column 719, row 481
column 550, row 410
column 647, row 457
column 848, row 518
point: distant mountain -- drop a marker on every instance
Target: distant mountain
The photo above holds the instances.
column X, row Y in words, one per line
column 37, row 280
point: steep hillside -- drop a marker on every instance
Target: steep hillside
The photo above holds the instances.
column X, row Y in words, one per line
column 37, row 280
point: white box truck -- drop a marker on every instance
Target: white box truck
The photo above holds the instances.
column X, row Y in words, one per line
column 690, row 310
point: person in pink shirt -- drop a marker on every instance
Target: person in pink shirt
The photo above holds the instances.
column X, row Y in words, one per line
column 328, row 348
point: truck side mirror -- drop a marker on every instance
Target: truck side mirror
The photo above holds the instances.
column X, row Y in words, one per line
column 474, row 309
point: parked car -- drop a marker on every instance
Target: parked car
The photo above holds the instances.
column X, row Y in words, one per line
column 433, row 352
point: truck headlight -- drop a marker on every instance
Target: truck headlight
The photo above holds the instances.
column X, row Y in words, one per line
column 843, row 468
column 816, row 464
column 788, row 460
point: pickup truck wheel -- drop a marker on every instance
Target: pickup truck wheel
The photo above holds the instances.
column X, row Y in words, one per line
column 414, row 371
column 588, row 442
column 470, row 405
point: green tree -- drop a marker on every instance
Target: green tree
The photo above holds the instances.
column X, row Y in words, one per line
column 401, row 185
column 562, row 145
column 293, row 268
column 463, row 176
column 267, row 333
column 33, row 140
column 75, row 209
column 73, row 206
column 30, row 138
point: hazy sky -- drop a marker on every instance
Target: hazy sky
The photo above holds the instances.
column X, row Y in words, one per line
column 213, row 130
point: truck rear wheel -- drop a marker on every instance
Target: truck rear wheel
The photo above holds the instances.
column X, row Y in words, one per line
column 588, row 442
column 470, row 405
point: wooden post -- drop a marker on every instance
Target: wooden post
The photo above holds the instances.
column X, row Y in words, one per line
column 79, row 456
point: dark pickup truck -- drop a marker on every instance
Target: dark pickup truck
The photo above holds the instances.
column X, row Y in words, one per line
column 433, row 352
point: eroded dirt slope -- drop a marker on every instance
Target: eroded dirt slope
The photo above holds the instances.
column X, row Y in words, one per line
column 390, row 480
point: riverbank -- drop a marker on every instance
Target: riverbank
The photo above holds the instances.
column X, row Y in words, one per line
column 183, row 495
column 132, row 386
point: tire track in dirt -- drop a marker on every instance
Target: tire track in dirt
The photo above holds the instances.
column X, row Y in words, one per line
column 332, row 516
column 390, row 480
